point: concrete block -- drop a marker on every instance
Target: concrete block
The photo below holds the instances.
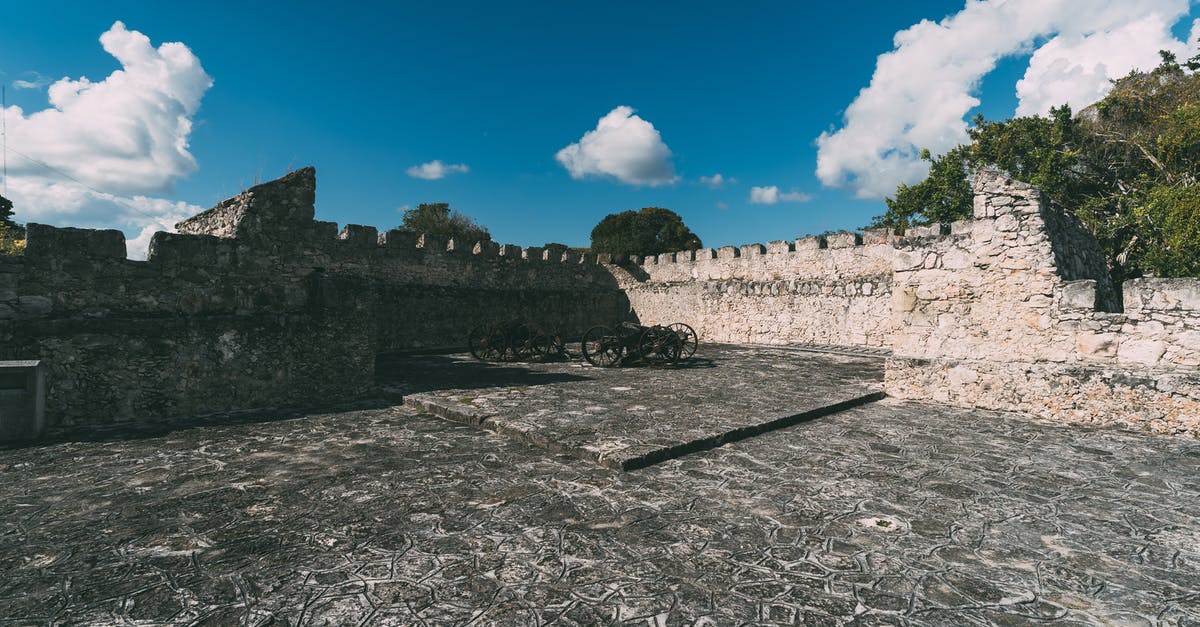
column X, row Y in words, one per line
column 22, row 400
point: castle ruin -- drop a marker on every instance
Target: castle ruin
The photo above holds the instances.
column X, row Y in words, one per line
column 254, row 305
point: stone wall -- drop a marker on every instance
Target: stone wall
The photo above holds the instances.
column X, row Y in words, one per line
column 254, row 304
column 258, row 306
column 832, row 290
column 1008, row 311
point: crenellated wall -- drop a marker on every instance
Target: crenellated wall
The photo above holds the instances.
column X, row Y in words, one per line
column 253, row 304
column 832, row 290
column 1012, row 311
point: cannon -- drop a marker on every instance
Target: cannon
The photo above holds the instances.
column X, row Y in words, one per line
column 514, row 340
column 628, row 342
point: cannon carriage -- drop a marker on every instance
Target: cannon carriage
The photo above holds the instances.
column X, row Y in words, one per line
column 514, row 340
column 628, row 342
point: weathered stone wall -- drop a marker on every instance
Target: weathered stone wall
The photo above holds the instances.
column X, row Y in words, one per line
column 1008, row 312
column 256, row 305
column 833, row 290
column 259, row 306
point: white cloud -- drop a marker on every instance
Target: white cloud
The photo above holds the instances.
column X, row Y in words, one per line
column 98, row 153
column 623, row 146
column 771, row 195
column 38, row 81
column 435, row 170
column 922, row 90
column 717, row 181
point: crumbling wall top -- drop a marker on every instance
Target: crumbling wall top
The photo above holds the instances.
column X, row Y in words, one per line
column 279, row 209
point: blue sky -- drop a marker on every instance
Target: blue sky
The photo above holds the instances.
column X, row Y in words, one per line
column 365, row 94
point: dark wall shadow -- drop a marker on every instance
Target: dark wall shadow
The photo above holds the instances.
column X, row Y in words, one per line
column 415, row 373
column 160, row 428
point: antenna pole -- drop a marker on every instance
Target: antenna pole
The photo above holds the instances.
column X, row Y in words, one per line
column 4, row 132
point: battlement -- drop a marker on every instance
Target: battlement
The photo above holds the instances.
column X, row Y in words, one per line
column 986, row 312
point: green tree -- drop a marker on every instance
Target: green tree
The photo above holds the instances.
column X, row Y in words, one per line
column 6, row 211
column 649, row 231
column 1127, row 166
column 944, row 196
column 438, row 220
column 12, row 236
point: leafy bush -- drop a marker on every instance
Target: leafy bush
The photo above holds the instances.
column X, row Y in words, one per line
column 649, row 231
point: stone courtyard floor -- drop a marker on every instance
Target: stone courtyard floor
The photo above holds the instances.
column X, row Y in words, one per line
column 885, row 513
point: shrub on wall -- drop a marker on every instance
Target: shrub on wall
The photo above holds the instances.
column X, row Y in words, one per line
column 12, row 241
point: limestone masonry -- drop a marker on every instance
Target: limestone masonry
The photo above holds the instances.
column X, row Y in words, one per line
column 253, row 304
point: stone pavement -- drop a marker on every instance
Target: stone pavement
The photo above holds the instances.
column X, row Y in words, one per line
column 888, row 513
column 632, row 417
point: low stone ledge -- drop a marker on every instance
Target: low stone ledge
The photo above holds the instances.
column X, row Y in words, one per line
column 43, row 241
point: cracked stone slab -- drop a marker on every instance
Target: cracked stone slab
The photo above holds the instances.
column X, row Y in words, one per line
column 630, row 418
column 386, row 516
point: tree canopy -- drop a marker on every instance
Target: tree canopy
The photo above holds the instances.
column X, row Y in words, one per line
column 648, row 231
column 12, row 237
column 1127, row 166
column 438, row 220
column 6, row 212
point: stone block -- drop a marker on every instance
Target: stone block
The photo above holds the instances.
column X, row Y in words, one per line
column 753, row 250
column 431, row 243
column 811, row 242
column 31, row 306
column 650, row 260
column 569, row 256
column 780, row 246
column 322, row 231
column 685, row 255
column 587, row 258
column 843, row 240
column 666, row 258
column 604, row 258
column 874, row 237
column 705, row 254
column 22, row 400
column 486, row 249
column 728, row 252
column 1162, row 294
column 396, row 238
column 42, row 241
column 359, row 236
column 1079, row 294
column 1145, row 352
column 533, row 253
column 1096, row 345
column 510, row 251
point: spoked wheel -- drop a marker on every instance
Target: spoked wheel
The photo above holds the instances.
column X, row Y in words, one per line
column 601, row 347
column 660, row 344
column 542, row 347
column 687, row 335
column 486, row 343
column 521, row 341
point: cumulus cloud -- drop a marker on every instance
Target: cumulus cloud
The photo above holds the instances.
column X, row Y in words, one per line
column 435, row 170
column 922, row 90
column 717, row 181
column 102, row 149
column 623, row 146
column 771, row 195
